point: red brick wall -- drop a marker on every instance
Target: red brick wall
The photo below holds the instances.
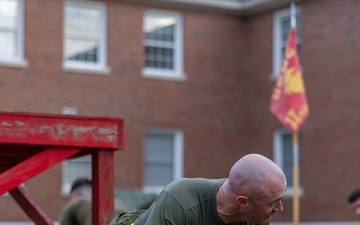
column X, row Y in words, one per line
column 206, row 106
column 222, row 107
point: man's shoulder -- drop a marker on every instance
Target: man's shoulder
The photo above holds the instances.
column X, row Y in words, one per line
column 196, row 181
column 81, row 201
column 77, row 204
column 192, row 186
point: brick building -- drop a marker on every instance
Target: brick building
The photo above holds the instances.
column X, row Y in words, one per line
column 192, row 79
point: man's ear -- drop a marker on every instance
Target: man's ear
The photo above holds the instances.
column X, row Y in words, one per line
column 242, row 200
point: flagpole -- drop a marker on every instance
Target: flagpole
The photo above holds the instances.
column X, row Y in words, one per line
column 296, row 178
column 289, row 104
column 293, row 15
column 296, row 210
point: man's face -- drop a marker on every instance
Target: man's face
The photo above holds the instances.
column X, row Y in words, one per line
column 263, row 209
column 355, row 206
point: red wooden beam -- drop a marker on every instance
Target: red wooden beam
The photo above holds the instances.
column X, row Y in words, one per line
column 103, row 187
column 32, row 166
column 89, row 132
column 34, row 212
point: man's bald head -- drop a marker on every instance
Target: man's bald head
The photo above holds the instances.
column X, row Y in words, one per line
column 253, row 174
column 253, row 191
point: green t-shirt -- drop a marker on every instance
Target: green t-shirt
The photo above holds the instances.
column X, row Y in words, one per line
column 187, row 201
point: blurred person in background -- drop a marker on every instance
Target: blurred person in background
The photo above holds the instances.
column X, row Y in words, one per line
column 354, row 201
column 78, row 210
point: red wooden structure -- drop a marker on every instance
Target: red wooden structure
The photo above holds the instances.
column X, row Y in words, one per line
column 33, row 143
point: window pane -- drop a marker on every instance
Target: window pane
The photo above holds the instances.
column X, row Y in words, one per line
column 159, row 146
column 83, row 33
column 285, row 27
column 80, row 167
column 160, row 57
column 157, row 26
column 9, row 30
column 82, row 21
column 162, row 34
column 8, row 13
column 158, row 175
column 8, row 44
column 159, row 154
column 160, row 40
column 81, row 50
column 288, row 157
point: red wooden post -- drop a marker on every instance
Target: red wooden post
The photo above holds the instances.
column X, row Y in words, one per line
column 103, row 187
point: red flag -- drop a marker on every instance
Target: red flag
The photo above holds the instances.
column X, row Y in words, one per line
column 288, row 100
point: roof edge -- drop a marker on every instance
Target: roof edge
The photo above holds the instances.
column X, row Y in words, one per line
column 240, row 8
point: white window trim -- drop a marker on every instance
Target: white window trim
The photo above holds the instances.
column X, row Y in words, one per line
column 277, row 43
column 278, row 158
column 18, row 60
column 178, row 160
column 178, row 73
column 101, row 67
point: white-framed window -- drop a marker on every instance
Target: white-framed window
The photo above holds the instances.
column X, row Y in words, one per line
column 11, row 33
column 73, row 169
column 283, row 157
column 85, row 34
column 163, row 158
column 163, row 45
column 281, row 27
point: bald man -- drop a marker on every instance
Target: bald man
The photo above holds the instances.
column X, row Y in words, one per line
column 251, row 194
